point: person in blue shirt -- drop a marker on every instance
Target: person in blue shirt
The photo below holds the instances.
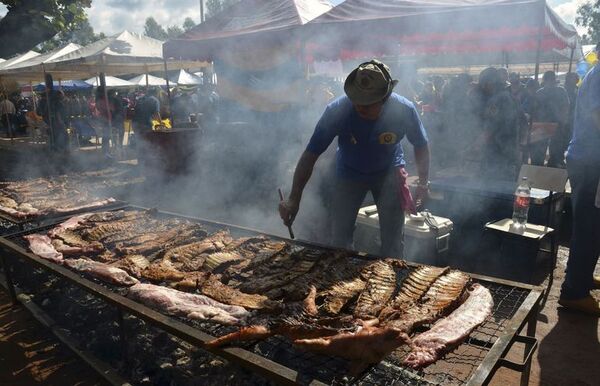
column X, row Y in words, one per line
column 369, row 122
column 583, row 165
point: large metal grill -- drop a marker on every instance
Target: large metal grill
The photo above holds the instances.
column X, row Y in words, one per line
column 472, row 362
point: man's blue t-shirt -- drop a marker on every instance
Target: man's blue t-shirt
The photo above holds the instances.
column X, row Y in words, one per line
column 367, row 148
column 585, row 143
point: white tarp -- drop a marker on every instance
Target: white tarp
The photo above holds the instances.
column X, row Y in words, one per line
column 111, row 81
column 140, row 80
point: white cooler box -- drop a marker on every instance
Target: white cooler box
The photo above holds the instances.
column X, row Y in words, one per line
column 426, row 237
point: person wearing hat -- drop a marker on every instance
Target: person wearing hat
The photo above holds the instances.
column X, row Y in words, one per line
column 369, row 122
column 583, row 166
column 497, row 142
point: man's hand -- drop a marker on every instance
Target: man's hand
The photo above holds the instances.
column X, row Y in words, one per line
column 288, row 209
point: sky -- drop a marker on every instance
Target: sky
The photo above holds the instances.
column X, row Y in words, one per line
column 113, row 16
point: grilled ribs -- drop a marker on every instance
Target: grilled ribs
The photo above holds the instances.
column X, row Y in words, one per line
column 443, row 295
column 380, row 284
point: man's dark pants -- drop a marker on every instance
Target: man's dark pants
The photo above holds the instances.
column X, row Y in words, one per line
column 347, row 199
column 585, row 242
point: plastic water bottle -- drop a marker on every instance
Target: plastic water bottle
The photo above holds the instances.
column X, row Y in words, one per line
column 521, row 204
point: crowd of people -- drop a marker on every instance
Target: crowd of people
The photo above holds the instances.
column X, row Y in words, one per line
column 498, row 122
column 81, row 115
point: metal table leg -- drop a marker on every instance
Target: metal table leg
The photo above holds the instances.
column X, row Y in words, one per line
column 9, row 282
column 531, row 327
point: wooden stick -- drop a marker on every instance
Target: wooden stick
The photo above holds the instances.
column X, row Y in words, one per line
column 289, row 227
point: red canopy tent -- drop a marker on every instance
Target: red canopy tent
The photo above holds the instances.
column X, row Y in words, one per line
column 256, row 51
column 443, row 32
column 245, row 25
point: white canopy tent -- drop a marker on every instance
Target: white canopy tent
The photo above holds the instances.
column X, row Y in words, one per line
column 33, row 68
column 184, row 78
column 151, row 80
column 111, row 81
column 18, row 59
column 123, row 53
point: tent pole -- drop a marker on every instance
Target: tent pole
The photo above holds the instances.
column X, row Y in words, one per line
column 33, row 96
column 540, row 37
column 168, row 92
column 106, row 105
column 147, row 85
column 49, row 84
column 571, row 59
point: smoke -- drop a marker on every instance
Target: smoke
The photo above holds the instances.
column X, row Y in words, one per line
column 234, row 167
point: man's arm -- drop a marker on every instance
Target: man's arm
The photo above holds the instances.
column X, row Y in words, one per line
column 289, row 208
column 596, row 118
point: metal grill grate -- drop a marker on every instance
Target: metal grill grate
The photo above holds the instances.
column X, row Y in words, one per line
column 454, row 369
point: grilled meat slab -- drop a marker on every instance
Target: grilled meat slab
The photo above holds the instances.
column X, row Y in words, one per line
column 104, row 230
column 134, row 264
column 69, row 225
column 41, row 245
column 416, row 285
column 297, row 320
column 192, row 251
column 279, row 270
column 191, row 306
column 366, row 346
column 192, row 281
column 216, row 260
column 104, row 272
column 330, row 267
column 214, row 289
column 163, row 271
column 450, row 331
column 443, row 295
column 341, row 293
column 379, row 288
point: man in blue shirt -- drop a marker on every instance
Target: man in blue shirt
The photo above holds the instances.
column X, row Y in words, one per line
column 369, row 122
column 583, row 165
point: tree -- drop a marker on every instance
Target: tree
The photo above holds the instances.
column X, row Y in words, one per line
column 30, row 22
column 173, row 31
column 588, row 16
column 188, row 24
column 82, row 34
column 216, row 6
column 154, row 30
